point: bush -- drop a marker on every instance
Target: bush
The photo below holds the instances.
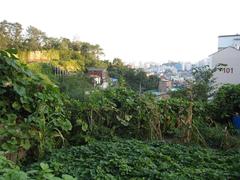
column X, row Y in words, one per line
column 31, row 111
column 226, row 103
column 116, row 112
column 43, row 70
column 75, row 85
column 124, row 113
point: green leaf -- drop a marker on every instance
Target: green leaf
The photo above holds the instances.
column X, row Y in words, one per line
column 2, row 91
column 20, row 90
column 10, row 145
column 68, row 177
column 16, row 105
column 44, row 166
column 25, row 144
column 12, row 118
column 83, row 124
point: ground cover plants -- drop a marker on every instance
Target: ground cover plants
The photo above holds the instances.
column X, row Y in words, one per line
column 132, row 159
column 11, row 171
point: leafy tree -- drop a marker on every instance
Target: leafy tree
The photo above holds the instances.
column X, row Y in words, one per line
column 65, row 44
column 35, row 39
column 203, row 84
column 151, row 82
column 116, row 72
column 52, row 43
column 10, row 35
column 91, row 53
column 135, row 79
column 117, row 62
column 76, row 45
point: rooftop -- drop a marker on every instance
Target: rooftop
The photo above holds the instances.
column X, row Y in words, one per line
column 95, row 69
column 229, row 35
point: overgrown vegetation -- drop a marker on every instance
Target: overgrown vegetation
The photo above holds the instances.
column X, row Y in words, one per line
column 131, row 159
column 124, row 113
column 32, row 116
column 226, row 103
column 10, row 171
column 134, row 79
column 75, row 86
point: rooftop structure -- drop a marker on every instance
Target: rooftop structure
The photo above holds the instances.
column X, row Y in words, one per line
column 229, row 41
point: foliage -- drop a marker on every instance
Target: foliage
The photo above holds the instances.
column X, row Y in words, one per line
column 10, row 171
column 35, row 39
column 10, row 35
column 75, row 85
column 135, row 79
column 124, row 113
column 117, row 111
column 181, row 93
column 28, row 56
column 31, row 111
column 203, row 85
column 117, row 62
column 131, row 159
column 226, row 103
column 45, row 71
column 72, row 65
column 78, row 55
column 218, row 136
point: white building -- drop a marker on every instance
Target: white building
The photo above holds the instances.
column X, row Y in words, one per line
column 187, row 66
column 205, row 62
column 228, row 40
column 231, row 72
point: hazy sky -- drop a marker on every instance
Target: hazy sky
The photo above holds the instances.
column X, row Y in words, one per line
column 134, row 30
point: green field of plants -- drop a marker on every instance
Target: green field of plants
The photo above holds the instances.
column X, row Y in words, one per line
column 49, row 131
column 131, row 159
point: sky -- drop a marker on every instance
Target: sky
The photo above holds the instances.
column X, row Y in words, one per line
column 133, row 30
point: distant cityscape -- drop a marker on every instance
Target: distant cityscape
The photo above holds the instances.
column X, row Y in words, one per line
column 174, row 74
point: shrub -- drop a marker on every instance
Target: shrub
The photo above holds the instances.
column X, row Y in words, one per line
column 226, row 103
column 124, row 113
column 117, row 112
column 75, row 85
column 31, row 111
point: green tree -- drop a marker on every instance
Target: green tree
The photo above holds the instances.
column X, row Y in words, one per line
column 65, row 44
column 52, row 43
column 10, row 35
column 118, row 62
column 35, row 39
column 203, row 85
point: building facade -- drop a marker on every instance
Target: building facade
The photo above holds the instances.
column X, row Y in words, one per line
column 164, row 85
column 228, row 41
column 99, row 76
column 230, row 73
